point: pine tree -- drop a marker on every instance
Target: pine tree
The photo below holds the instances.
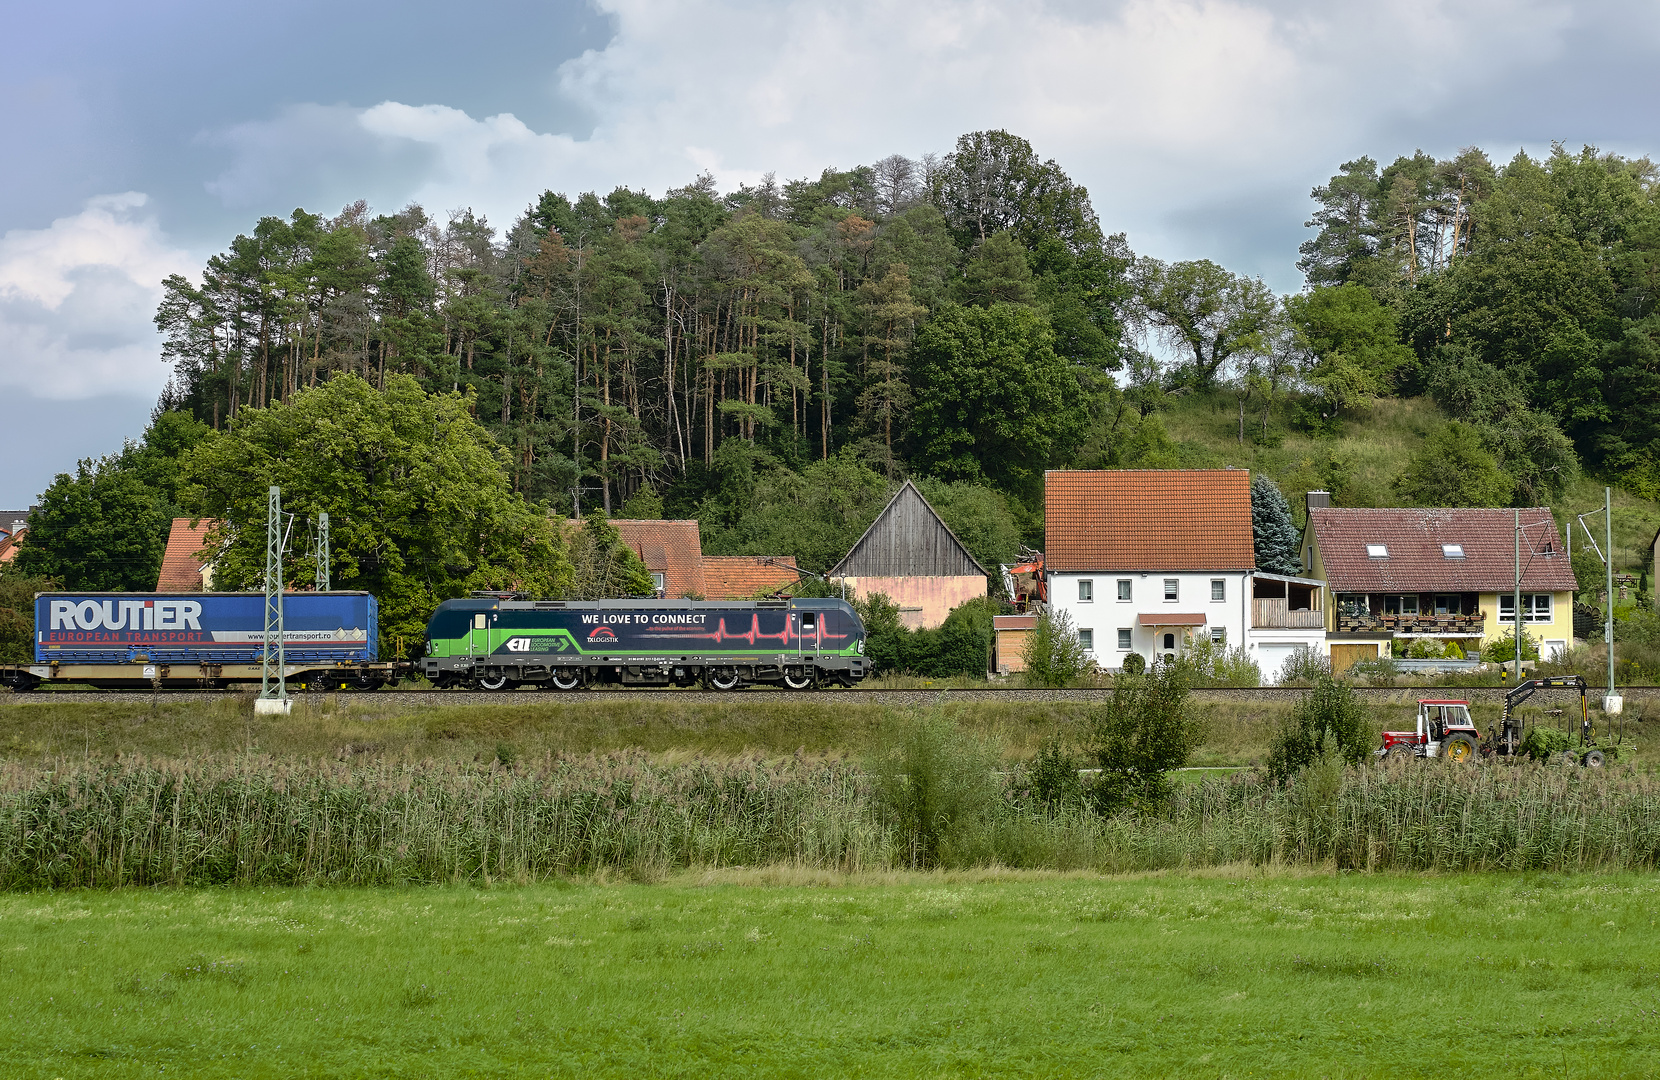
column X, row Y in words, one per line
column 1276, row 537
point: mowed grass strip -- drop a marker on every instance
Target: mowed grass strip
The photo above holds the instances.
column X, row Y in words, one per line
column 790, row 973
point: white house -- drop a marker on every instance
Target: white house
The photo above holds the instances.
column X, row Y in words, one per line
column 1147, row 561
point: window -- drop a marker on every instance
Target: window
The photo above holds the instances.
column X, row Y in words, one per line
column 1086, row 591
column 1446, row 604
column 1377, row 551
column 1170, row 588
column 1536, row 607
column 1219, row 635
column 1124, row 637
column 1308, row 558
column 1086, row 638
column 1170, row 641
column 1401, row 604
column 1218, row 588
column 1452, row 551
column 1353, row 604
column 1123, row 588
column 659, row 582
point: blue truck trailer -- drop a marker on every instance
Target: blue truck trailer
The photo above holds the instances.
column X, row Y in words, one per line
column 177, row 640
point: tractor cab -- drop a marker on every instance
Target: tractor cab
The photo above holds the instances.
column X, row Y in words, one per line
column 1444, row 730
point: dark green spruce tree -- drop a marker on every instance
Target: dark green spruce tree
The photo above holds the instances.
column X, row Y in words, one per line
column 1276, row 537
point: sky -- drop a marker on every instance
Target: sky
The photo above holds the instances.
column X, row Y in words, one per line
column 141, row 138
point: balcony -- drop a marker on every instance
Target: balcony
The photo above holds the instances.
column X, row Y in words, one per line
column 1271, row 613
column 1469, row 625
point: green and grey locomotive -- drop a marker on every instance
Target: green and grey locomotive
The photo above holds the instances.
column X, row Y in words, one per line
column 499, row 644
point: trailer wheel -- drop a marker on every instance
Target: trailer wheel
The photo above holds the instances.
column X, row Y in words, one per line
column 1594, row 759
column 1568, row 760
column 564, row 679
column 496, row 680
column 1459, row 749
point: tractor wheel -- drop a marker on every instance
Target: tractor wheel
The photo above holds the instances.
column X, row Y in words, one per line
column 1594, row 760
column 1400, row 752
column 1460, row 749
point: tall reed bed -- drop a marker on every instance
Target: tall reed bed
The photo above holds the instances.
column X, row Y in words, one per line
column 253, row 821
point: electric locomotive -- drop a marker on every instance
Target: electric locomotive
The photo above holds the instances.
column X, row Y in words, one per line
column 498, row 644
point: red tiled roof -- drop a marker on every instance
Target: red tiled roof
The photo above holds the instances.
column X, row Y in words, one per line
column 673, row 548
column 1416, row 562
column 1161, row 619
column 10, row 543
column 181, row 571
column 738, row 577
column 1148, row 519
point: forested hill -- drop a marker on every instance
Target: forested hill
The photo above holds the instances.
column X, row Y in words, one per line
column 770, row 360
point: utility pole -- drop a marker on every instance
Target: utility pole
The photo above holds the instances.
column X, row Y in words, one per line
column 323, row 552
column 1517, row 598
column 273, row 686
column 1612, row 703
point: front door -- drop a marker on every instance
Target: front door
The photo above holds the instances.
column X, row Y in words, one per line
column 807, row 641
column 478, row 635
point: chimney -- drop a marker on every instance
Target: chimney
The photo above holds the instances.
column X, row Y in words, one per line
column 1318, row 500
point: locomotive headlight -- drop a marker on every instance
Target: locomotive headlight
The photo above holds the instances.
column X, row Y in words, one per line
column 860, row 648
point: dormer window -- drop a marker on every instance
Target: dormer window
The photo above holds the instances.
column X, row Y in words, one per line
column 1452, row 551
column 1377, row 551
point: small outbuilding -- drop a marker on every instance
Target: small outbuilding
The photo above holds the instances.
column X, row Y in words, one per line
column 912, row 557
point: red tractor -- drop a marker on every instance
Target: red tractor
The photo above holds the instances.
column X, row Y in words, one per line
column 1444, row 730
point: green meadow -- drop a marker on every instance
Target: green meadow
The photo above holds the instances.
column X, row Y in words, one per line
column 796, row 973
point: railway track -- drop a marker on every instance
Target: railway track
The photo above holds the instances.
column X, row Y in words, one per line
column 428, row 697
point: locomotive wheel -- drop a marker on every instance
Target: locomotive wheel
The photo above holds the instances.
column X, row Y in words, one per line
column 802, row 681
column 1594, row 759
column 494, row 681
column 723, row 679
column 566, row 680
column 1459, row 750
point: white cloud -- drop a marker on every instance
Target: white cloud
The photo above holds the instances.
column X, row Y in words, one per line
column 76, row 300
column 1158, row 106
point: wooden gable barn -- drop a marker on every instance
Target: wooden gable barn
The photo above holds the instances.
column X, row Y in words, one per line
column 910, row 555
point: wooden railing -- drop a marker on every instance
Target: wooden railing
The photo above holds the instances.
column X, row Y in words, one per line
column 1414, row 624
column 1271, row 613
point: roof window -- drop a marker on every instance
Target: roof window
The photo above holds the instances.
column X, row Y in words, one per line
column 1452, row 551
column 1377, row 551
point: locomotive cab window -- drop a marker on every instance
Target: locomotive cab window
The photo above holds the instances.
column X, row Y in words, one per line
column 478, row 621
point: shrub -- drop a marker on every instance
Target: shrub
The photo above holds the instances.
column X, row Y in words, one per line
column 1545, row 743
column 1053, row 777
column 1503, row 648
column 1147, row 728
column 1379, row 671
column 1304, row 668
column 939, row 791
column 1210, row 664
column 1053, row 654
column 1134, row 664
column 1330, row 708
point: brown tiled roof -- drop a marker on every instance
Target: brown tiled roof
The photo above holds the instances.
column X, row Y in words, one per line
column 1148, row 519
column 671, row 547
column 1014, row 622
column 9, row 545
column 181, row 571
column 738, row 577
column 1416, row 562
column 1161, row 619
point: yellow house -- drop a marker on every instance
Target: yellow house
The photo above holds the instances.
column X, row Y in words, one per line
column 1438, row 575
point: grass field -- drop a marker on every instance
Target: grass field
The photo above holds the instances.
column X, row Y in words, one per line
column 790, row 974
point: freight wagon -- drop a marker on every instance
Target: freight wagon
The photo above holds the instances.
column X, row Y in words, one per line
column 497, row 644
column 173, row 640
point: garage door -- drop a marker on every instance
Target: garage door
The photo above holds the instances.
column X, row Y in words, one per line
column 1343, row 657
column 1271, row 658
